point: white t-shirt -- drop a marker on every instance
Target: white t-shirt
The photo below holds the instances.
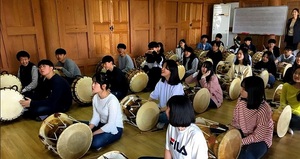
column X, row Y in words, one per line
column 187, row 144
column 164, row 91
column 107, row 111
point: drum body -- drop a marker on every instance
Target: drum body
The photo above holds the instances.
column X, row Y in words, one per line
column 9, row 80
column 200, row 98
column 65, row 136
column 256, row 58
column 263, row 74
column 281, row 70
column 282, row 120
column 10, row 106
column 223, row 67
column 231, row 89
column 230, row 58
column 139, row 61
column 82, row 90
column 113, row 155
column 225, row 145
column 140, row 113
column 137, row 80
column 226, row 54
column 99, row 67
column 181, row 71
column 277, row 94
column 170, row 55
column 202, row 56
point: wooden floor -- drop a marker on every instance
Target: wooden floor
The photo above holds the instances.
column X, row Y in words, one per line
column 19, row 138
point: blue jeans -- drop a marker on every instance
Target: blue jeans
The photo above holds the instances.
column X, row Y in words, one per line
column 163, row 118
column 253, row 151
column 271, row 80
column 295, row 122
column 104, row 139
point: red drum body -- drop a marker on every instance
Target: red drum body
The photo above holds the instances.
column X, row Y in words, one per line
column 140, row 113
column 65, row 136
column 82, row 90
column 137, row 80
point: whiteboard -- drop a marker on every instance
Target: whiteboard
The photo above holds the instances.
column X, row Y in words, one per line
column 260, row 20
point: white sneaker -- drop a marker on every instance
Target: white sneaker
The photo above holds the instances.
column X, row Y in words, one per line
column 160, row 125
column 290, row 131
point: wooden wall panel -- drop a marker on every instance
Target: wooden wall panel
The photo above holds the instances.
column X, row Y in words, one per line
column 171, row 22
column 21, row 30
column 171, row 36
column 141, row 23
column 73, row 28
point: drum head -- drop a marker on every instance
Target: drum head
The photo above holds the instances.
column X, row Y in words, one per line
column 181, row 71
column 284, row 121
column 10, row 106
column 147, row 116
column 235, row 89
column 265, row 76
column 230, row 145
column 74, row 141
column 138, row 82
column 113, row 155
column 8, row 80
column 285, row 68
column 83, row 89
column 201, row 100
column 277, row 93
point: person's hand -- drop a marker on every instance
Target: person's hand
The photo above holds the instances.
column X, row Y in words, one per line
column 25, row 103
column 58, row 68
column 206, row 74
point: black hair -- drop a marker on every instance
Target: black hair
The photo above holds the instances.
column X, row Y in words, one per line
column 162, row 50
column 296, row 9
column 181, row 111
column 210, row 67
column 271, row 41
column 45, row 62
column 152, row 44
column 182, row 40
column 288, row 48
column 218, row 43
column 192, row 57
column 246, row 60
column 121, row 46
column 270, row 56
column 204, row 36
column 108, row 58
column 255, row 88
column 22, row 54
column 60, row 51
column 248, row 38
column 101, row 78
column 171, row 65
column 219, row 35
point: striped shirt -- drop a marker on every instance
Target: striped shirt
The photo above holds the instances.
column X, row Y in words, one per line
column 256, row 124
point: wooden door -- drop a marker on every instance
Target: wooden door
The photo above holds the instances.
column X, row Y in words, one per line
column 73, row 30
column 141, row 25
column 21, row 29
column 190, row 22
column 110, row 26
